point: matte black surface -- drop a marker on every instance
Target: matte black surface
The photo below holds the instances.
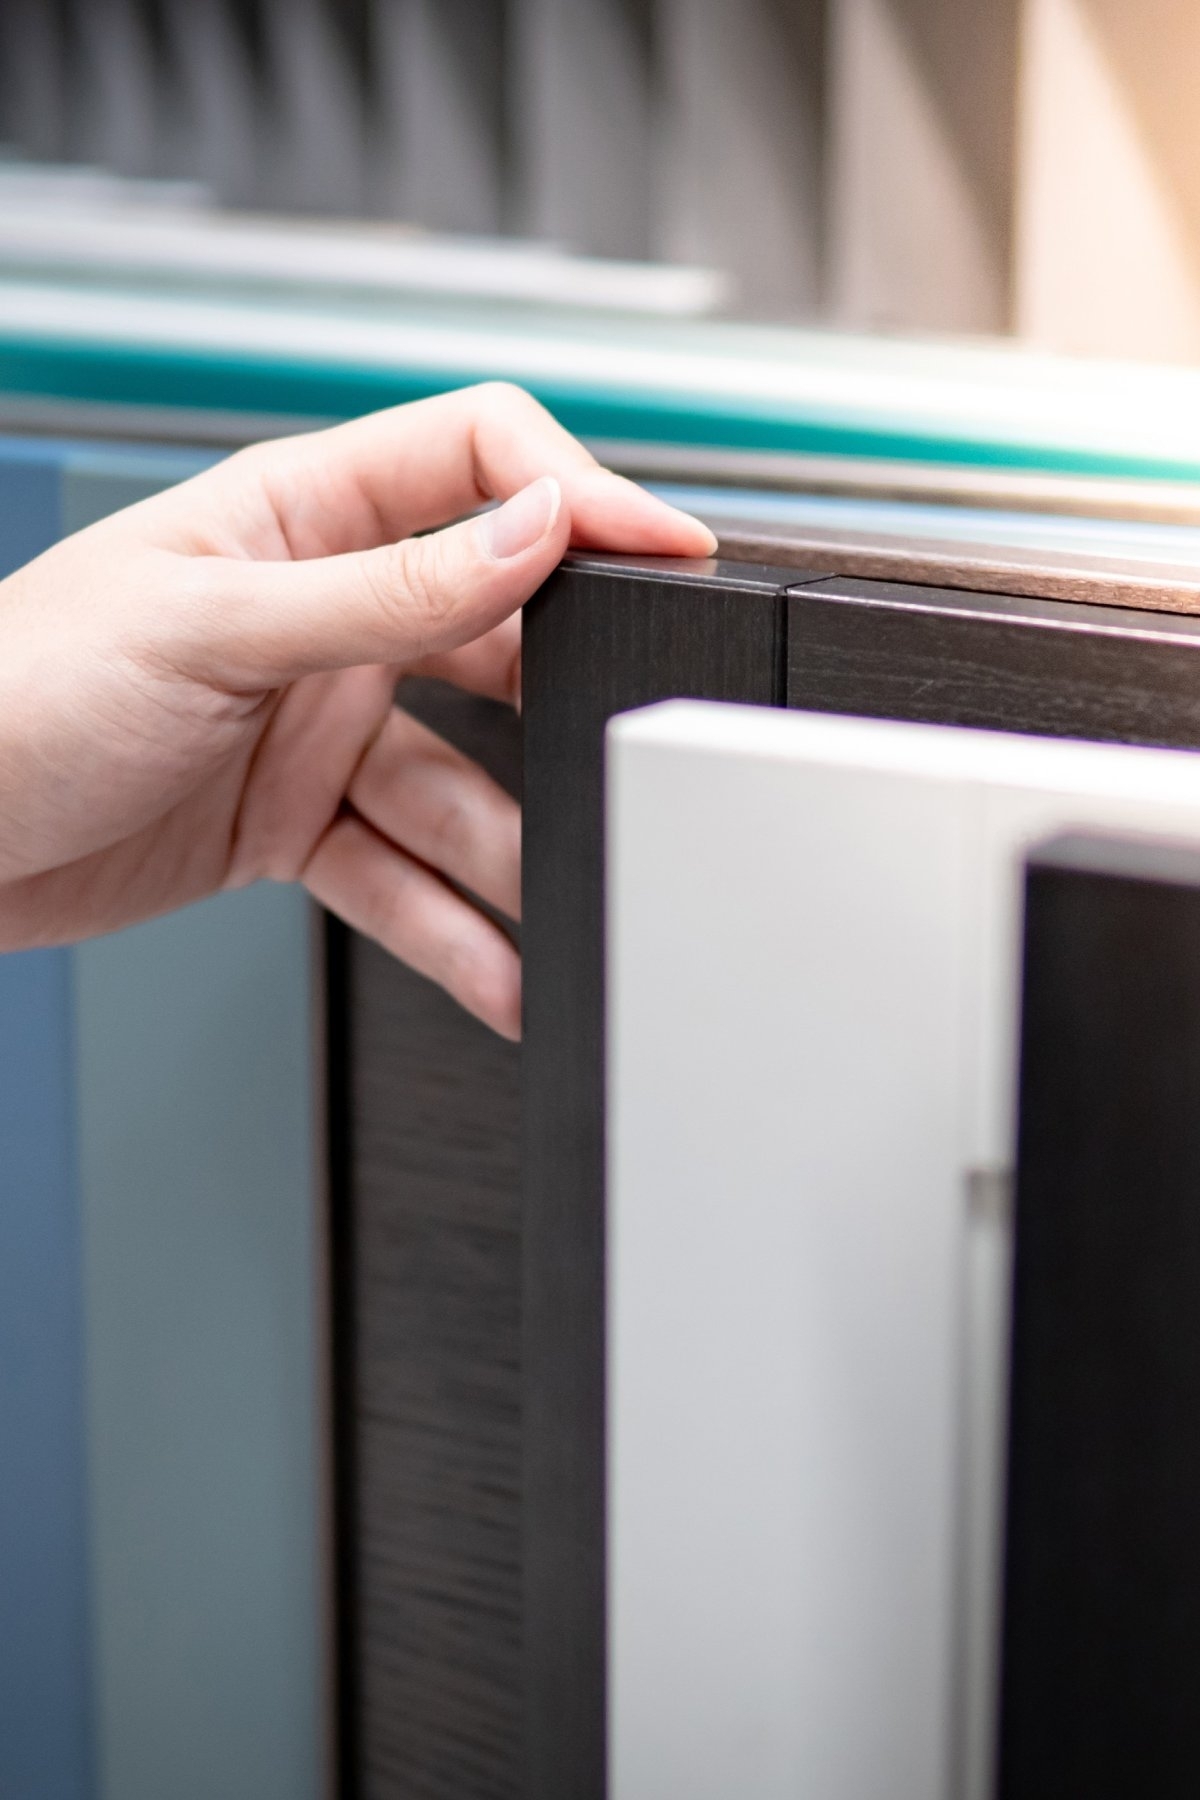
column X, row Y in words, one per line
column 426, row 1272
column 1102, row 1605
column 599, row 639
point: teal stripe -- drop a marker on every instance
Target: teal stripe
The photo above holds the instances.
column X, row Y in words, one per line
column 117, row 375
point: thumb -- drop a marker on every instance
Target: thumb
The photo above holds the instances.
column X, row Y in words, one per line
column 263, row 624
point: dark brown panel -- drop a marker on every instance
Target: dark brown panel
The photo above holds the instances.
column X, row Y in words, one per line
column 1102, row 1580
column 426, row 1247
column 982, row 565
column 603, row 636
column 449, row 1400
column 989, row 660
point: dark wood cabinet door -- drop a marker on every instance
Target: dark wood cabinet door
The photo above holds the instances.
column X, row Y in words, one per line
column 609, row 635
column 601, row 638
column 469, row 1217
column 426, row 1271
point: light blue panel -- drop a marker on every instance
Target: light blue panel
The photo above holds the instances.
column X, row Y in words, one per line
column 45, row 1732
column 195, row 1084
column 30, row 501
column 100, row 479
column 188, row 1090
column 45, row 1693
column 196, row 1146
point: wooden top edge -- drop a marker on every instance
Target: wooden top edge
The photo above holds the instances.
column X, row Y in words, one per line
column 1025, row 574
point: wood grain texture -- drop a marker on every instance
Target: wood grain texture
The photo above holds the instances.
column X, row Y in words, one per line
column 470, row 1331
column 1102, row 1583
column 980, row 567
column 426, row 1252
column 603, row 636
column 606, row 637
column 893, row 652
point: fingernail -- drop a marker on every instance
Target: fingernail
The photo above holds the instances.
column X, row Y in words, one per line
column 522, row 521
column 705, row 536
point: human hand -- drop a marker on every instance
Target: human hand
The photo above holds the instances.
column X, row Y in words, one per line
column 198, row 692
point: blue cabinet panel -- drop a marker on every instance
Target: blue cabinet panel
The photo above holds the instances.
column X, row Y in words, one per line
column 195, row 1096
column 161, row 1572
column 30, row 501
column 101, row 479
column 45, row 1699
column 196, row 1134
column 45, row 1686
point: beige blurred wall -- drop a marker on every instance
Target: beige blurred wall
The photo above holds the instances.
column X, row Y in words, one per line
column 1032, row 165
column 1107, row 198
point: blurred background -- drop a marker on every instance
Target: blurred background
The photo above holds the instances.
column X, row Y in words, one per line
column 798, row 262
column 975, row 166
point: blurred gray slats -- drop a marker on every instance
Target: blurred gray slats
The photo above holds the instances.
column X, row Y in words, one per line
column 314, row 149
column 740, row 144
column 33, row 77
column 628, row 128
column 211, row 134
column 115, row 91
column 582, row 106
column 438, row 146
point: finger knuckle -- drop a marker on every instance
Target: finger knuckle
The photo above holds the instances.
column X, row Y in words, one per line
column 465, row 971
column 453, row 827
column 252, row 465
column 506, row 400
column 413, row 581
column 387, row 910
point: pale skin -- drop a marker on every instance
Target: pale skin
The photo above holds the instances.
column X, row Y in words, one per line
column 198, row 692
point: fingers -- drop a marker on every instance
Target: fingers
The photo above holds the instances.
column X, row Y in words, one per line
column 610, row 513
column 419, row 792
column 411, row 468
column 381, row 891
column 491, row 666
column 251, row 625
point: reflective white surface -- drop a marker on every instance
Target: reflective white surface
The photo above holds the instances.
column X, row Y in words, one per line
column 813, row 932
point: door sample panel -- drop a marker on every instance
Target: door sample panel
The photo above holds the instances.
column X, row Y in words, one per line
column 427, row 1408
column 47, row 1675
column 1102, row 1581
column 935, row 654
column 614, row 632
column 603, row 635
column 163, row 1332
column 814, row 951
column 46, row 1672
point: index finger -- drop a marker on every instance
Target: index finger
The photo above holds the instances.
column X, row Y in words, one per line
column 385, row 476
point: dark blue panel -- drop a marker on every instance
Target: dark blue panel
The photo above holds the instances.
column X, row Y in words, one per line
column 30, row 501
column 44, row 1674
column 44, row 1648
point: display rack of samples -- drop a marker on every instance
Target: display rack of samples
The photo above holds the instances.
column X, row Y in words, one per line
column 309, row 1346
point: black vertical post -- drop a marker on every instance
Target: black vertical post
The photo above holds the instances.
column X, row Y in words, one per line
column 1101, row 1635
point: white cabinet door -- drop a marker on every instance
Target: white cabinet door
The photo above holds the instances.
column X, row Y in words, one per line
column 813, row 936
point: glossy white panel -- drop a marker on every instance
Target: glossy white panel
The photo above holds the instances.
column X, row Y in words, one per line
column 813, row 930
